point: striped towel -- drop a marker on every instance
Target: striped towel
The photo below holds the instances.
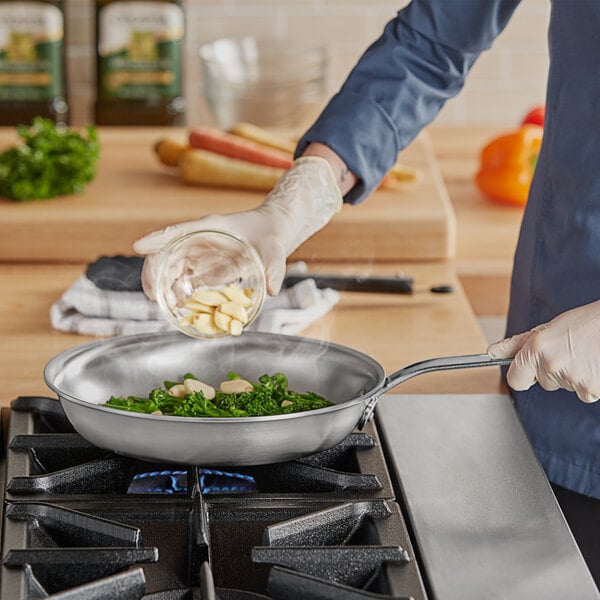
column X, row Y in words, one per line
column 90, row 307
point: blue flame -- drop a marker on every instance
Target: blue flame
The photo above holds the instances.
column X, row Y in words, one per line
column 212, row 481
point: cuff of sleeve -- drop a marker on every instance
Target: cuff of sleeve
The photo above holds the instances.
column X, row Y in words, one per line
column 368, row 155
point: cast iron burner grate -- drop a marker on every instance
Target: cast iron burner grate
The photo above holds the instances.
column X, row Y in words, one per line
column 322, row 527
column 47, row 457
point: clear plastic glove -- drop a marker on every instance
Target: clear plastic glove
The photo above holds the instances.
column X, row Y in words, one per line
column 563, row 353
column 303, row 201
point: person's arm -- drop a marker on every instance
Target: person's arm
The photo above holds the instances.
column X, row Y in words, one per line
column 344, row 178
column 303, row 201
column 401, row 82
column 396, row 88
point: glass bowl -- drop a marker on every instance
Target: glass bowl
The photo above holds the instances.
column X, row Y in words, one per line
column 210, row 284
column 267, row 82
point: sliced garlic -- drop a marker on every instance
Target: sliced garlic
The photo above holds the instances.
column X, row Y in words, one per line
column 222, row 321
column 177, row 390
column 193, row 385
column 199, row 307
column 235, row 327
column 214, row 312
column 210, row 297
column 235, row 310
column 236, row 294
column 187, row 320
column 205, row 323
column 236, row 386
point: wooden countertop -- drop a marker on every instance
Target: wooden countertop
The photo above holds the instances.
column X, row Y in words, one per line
column 395, row 330
column 487, row 232
column 133, row 194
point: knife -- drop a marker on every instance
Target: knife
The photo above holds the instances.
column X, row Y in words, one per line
column 398, row 284
column 351, row 283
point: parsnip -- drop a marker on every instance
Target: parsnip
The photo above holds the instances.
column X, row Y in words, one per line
column 402, row 172
column 201, row 167
column 169, row 151
column 399, row 175
column 264, row 137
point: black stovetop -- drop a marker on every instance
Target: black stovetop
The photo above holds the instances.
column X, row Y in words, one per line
column 81, row 522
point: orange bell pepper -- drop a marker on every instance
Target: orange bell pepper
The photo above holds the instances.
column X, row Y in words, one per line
column 507, row 164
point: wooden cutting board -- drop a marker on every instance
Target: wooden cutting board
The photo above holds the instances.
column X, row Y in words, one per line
column 133, row 194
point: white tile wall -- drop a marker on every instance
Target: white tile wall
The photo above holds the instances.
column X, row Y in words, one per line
column 503, row 84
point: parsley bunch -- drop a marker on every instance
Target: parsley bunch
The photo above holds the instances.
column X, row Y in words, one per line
column 52, row 161
column 269, row 396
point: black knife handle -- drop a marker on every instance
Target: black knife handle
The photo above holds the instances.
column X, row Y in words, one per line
column 380, row 285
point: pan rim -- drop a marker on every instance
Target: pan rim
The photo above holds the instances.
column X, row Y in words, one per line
column 124, row 340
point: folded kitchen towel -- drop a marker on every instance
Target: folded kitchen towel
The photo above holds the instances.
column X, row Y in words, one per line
column 107, row 300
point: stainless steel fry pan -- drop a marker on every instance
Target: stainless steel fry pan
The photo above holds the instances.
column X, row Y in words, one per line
column 86, row 376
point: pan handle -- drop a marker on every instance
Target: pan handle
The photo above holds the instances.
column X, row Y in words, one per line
column 446, row 363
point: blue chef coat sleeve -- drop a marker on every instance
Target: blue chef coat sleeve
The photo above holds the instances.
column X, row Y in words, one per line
column 402, row 81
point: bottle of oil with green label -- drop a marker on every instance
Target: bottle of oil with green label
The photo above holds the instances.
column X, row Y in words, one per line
column 32, row 62
column 139, row 47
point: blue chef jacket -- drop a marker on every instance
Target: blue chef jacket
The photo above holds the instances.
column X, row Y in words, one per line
column 398, row 87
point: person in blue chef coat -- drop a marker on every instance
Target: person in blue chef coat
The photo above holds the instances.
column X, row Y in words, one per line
column 398, row 86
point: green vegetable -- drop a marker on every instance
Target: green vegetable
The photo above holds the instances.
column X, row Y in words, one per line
column 52, row 161
column 269, row 396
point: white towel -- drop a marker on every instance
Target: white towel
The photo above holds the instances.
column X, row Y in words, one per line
column 89, row 310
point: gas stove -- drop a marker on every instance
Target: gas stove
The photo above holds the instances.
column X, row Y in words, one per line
column 81, row 522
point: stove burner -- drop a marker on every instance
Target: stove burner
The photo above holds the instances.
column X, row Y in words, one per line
column 212, row 481
column 81, row 522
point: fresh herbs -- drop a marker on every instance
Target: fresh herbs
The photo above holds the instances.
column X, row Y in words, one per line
column 52, row 161
column 269, row 396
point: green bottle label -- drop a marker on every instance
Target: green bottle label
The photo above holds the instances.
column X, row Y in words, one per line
column 139, row 50
column 31, row 42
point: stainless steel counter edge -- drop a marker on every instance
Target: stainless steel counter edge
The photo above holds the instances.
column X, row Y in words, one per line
column 485, row 519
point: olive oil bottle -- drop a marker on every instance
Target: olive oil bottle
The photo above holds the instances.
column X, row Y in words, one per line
column 139, row 74
column 32, row 62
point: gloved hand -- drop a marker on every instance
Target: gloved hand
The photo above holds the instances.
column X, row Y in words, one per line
column 563, row 353
column 303, row 201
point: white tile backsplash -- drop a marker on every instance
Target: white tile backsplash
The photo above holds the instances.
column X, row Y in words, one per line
column 502, row 86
